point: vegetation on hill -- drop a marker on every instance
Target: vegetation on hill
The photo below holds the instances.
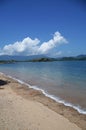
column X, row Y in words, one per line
column 44, row 59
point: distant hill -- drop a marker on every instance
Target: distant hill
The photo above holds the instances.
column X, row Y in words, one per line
column 20, row 58
column 39, row 58
column 46, row 59
column 72, row 58
column 81, row 56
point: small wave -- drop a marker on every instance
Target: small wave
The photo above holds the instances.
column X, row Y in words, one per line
column 57, row 99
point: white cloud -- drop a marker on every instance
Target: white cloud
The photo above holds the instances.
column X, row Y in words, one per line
column 27, row 46
column 57, row 40
column 56, row 54
column 30, row 46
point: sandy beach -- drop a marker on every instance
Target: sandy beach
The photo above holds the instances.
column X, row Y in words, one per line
column 22, row 108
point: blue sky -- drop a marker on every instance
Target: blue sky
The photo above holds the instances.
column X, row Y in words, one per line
column 52, row 27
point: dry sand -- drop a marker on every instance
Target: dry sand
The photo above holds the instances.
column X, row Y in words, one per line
column 27, row 109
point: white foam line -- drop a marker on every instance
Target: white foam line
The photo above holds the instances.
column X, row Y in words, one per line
column 78, row 108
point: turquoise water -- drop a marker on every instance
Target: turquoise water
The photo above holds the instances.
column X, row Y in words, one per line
column 64, row 80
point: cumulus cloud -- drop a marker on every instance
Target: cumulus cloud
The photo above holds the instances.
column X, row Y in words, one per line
column 57, row 40
column 27, row 46
column 30, row 46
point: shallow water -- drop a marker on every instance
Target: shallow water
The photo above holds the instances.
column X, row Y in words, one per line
column 65, row 80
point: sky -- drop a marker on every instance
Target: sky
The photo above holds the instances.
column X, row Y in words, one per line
column 49, row 27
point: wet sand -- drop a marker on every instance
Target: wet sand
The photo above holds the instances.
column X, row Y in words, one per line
column 22, row 108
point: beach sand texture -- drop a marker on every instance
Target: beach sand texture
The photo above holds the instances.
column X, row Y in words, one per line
column 19, row 113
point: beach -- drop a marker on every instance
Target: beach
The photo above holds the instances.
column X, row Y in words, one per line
column 23, row 108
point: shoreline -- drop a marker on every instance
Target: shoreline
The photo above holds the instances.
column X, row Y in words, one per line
column 56, row 99
column 29, row 93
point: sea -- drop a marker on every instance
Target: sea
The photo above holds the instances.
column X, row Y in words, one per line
column 63, row 81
